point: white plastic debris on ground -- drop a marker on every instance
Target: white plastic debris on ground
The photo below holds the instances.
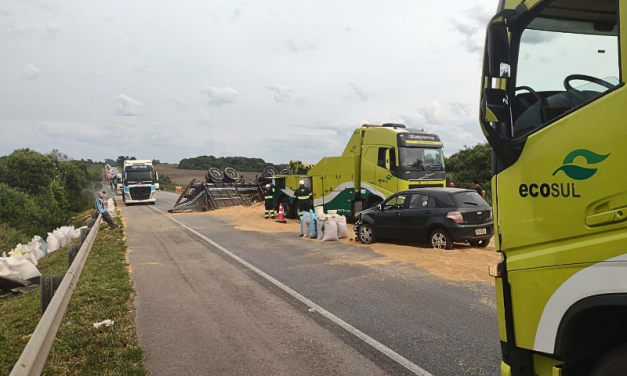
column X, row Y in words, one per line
column 107, row 322
column 53, row 242
column 25, row 268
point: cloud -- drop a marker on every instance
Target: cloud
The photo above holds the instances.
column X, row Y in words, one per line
column 220, row 95
column 300, row 101
column 127, row 106
column 52, row 30
column 361, row 93
column 20, row 31
column 294, row 47
column 235, row 14
column 281, row 93
column 4, row 12
column 180, row 101
column 30, row 72
column 453, row 122
column 472, row 28
column 81, row 132
column 203, row 117
column 534, row 37
column 142, row 68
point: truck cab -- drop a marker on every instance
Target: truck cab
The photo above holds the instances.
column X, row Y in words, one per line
column 553, row 110
column 378, row 161
column 139, row 178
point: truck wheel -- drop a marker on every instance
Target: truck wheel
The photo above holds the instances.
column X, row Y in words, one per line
column 230, row 175
column 440, row 239
column 613, row 363
column 269, row 172
column 287, row 207
column 480, row 243
column 366, row 234
column 285, row 171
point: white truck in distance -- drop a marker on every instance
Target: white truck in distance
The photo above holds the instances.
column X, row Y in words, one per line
column 139, row 178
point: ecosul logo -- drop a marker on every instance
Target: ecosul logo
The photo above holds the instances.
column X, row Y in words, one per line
column 572, row 170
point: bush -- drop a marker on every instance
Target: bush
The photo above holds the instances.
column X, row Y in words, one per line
column 28, row 170
column 10, row 237
column 471, row 163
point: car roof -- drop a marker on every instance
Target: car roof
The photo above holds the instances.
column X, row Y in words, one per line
column 438, row 191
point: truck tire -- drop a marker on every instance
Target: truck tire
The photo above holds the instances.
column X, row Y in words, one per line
column 366, row 234
column 613, row 363
column 288, row 208
column 230, row 175
column 269, row 172
column 440, row 239
column 285, row 171
column 215, row 175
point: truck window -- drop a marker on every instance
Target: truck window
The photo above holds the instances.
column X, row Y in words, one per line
column 381, row 157
column 563, row 64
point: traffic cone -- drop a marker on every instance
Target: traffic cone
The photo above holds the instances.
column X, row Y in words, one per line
column 281, row 219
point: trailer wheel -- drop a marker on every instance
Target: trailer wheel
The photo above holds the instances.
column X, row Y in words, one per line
column 613, row 363
column 215, row 175
column 285, row 171
column 269, row 172
column 230, row 175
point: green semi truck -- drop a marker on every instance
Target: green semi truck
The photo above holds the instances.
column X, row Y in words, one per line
column 378, row 160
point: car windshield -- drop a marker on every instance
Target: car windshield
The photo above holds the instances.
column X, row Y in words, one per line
column 468, row 199
column 422, row 158
column 139, row 176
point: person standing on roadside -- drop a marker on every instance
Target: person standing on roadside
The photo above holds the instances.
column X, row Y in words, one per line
column 268, row 194
column 100, row 207
column 303, row 195
column 477, row 187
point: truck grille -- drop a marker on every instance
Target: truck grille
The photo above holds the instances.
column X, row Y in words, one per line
column 140, row 193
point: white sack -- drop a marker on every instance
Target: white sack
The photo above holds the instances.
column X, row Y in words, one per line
column 320, row 225
column 26, row 269
column 342, row 232
column 53, row 242
column 330, row 230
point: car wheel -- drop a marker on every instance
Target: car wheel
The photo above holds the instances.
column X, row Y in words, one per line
column 440, row 239
column 366, row 234
column 614, row 363
column 481, row 243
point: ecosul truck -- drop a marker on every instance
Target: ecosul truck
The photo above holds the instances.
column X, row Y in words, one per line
column 139, row 179
column 378, row 161
column 553, row 108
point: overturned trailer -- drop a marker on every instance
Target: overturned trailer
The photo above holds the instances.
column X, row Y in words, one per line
column 201, row 196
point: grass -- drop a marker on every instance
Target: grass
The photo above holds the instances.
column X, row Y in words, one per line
column 104, row 291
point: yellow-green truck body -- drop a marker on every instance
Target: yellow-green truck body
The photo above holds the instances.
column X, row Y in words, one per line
column 559, row 185
column 377, row 162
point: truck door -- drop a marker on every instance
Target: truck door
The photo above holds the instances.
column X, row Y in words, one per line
column 384, row 179
column 553, row 110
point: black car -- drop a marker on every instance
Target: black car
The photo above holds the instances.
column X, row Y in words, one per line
column 440, row 216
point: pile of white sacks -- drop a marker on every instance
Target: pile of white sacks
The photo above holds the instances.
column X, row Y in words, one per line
column 22, row 261
column 325, row 227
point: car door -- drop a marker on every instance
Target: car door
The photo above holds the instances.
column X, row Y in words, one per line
column 388, row 221
column 415, row 217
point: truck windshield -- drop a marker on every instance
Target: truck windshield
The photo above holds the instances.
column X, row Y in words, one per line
column 423, row 158
column 139, row 177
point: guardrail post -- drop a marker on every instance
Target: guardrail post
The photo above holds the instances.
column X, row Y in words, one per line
column 90, row 223
column 94, row 215
column 49, row 283
column 84, row 233
column 72, row 250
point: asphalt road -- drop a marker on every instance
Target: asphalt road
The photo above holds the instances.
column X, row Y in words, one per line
column 201, row 312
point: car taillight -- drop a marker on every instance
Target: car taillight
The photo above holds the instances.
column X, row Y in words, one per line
column 456, row 216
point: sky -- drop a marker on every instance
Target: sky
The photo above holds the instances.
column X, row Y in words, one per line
column 272, row 79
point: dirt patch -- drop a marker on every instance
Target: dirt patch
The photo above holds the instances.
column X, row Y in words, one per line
column 463, row 263
column 183, row 177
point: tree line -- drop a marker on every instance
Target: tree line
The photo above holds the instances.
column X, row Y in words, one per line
column 39, row 193
column 471, row 163
column 245, row 164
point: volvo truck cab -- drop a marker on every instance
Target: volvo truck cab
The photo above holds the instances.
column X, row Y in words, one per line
column 553, row 108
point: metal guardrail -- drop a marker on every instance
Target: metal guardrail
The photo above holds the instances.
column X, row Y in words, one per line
column 35, row 354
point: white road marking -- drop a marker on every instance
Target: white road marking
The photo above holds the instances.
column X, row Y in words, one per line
column 351, row 329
